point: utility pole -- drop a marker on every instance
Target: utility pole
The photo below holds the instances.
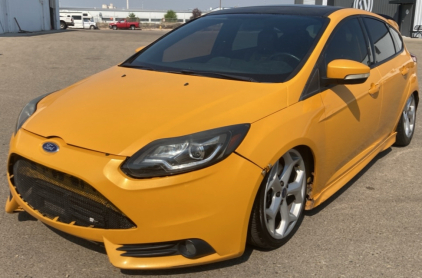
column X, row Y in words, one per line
column 127, row 4
column 220, row 4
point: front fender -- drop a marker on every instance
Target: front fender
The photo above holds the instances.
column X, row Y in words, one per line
column 297, row 125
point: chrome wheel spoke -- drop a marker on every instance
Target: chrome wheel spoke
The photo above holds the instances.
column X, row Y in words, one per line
column 290, row 163
column 295, row 187
column 285, row 219
column 274, row 184
column 411, row 112
column 274, row 208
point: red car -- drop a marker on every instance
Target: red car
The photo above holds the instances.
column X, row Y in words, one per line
column 124, row 24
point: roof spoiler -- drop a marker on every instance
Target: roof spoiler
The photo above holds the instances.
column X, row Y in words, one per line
column 390, row 20
column 386, row 16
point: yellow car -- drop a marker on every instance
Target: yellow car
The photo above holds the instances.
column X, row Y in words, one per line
column 219, row 134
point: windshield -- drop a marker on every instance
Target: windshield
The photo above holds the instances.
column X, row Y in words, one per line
column 250, row 47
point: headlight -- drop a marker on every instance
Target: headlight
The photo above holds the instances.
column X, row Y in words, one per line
column 28, row 110
column 178, row 155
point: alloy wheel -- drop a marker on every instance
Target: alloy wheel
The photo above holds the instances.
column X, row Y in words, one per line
column 409, row 116
column 284, row 194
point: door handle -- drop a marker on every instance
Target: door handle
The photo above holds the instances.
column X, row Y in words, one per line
column 375, row 88
column 404, row 70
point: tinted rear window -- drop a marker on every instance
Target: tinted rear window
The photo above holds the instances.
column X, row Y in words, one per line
column 398, row 43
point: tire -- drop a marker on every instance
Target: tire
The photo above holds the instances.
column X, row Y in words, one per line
column 407, row 123
column 278, row 208
column 92, row 27
column 132, row 27
column 63, row 25
column 114, row 27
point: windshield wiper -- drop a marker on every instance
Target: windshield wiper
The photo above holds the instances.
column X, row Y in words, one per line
column 137, row 67
column 216, row 74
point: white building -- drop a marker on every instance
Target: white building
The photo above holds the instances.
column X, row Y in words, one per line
column 31, row 15
column 145, row 16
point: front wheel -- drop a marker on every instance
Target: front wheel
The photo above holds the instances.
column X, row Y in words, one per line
column 406, row 126
column 63, row 25
column 278, row 208
column 132, row 27
column 92, row 27
column 114, row 27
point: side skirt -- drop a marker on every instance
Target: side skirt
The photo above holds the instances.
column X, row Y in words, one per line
column 334, row 186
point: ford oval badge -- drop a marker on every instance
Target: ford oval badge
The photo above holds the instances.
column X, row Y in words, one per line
column 50, row 147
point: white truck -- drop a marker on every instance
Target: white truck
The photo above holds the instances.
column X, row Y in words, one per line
column 66, row 21
column 81, row 19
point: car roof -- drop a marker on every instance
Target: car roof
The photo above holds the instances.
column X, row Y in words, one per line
column 306, row 10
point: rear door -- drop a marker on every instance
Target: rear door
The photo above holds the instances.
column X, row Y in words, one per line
column 392, row 62
column 352, row 112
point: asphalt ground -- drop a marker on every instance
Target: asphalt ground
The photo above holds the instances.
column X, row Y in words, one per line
column 371, row 228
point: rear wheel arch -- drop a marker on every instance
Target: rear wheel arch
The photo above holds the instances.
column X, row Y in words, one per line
column 416, row 94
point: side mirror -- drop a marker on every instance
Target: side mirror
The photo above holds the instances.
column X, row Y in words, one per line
column 346, row 72
column 139, row 49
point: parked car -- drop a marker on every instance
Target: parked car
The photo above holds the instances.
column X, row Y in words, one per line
column 66, row 22
column 124, row 24
column 221, row 132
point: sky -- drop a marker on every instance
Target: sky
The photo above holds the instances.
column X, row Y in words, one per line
column 177, row 5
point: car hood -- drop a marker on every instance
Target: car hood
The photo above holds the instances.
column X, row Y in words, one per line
column 120, row 110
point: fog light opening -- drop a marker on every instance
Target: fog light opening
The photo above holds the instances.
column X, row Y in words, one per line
column 195, row 248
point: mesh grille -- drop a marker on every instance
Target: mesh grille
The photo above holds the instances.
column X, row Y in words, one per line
column 56, row 194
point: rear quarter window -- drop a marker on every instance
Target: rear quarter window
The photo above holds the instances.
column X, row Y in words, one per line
column 398, row 43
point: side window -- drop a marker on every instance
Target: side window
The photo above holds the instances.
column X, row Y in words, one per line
column 347, row 42
column 77, row 17
column 381, row 38
column 398, row 43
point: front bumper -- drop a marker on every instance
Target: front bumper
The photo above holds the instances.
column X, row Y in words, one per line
column 211, row 204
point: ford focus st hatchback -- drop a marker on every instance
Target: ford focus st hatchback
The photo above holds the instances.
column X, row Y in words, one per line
column 219, row 134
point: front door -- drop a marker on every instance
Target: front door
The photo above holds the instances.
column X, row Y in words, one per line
column 352, row 112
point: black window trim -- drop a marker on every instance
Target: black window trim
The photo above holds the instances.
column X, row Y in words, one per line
column 397, row 53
